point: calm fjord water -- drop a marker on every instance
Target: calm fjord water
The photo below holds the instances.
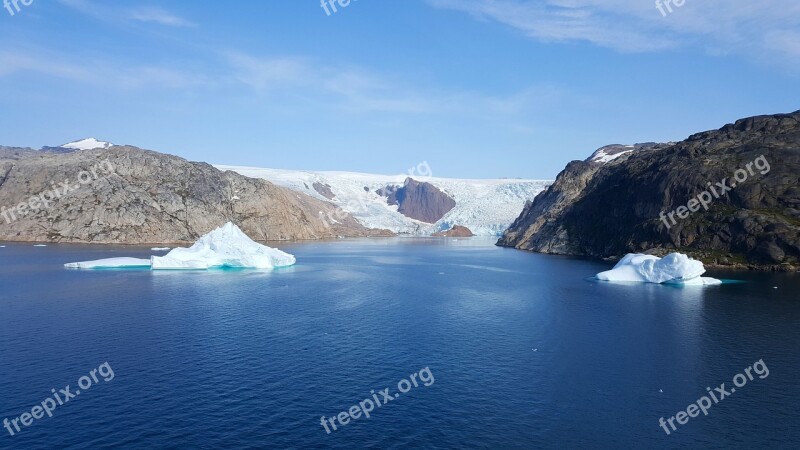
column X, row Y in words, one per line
column 525, row 350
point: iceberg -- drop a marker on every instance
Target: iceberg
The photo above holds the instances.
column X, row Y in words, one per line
column 225, row 247
column 161, row 249
column 675, row 268
column 110, row 263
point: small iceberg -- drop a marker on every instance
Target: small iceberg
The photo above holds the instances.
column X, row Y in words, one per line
column 675, row 268
column 40, row 245
column 111, row 263
column 225, row 247
column 161, row 249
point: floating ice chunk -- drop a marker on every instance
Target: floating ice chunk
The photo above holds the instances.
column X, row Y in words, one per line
column 699, row 281
column 161, row 249
column 111, row 263
column 40, row 245
column 675, row 268
column 226, row 246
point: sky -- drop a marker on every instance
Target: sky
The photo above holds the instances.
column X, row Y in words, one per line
column 475, row 88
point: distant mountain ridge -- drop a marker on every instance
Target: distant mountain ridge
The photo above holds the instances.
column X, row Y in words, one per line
column 610, row 209
column 149, row 198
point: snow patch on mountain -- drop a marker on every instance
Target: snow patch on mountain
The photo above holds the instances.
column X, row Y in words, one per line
column 87, row 144
column 611, row 152
column 487, row 207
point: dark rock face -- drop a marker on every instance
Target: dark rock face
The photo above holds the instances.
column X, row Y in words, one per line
column 150, row 197
column 324, row 190
column 612, row 209
column 419, row 201
column 456, row 231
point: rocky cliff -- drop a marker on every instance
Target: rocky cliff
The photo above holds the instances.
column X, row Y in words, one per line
column 133, row 196
column 419, row 200
column 732, row 193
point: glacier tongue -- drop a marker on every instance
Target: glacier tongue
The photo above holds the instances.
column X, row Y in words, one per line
column 487, row 207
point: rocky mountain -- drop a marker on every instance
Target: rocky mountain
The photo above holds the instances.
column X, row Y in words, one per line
column 728, row 197
column 418, row 200
column 128, row 195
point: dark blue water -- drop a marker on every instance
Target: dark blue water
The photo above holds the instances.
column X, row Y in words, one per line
column 523, row 350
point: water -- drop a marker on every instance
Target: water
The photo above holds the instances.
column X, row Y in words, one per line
column 524, row 350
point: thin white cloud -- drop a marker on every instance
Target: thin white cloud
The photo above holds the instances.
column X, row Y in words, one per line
column 265, row 74
column 352, row 89
column 159, row 16
column 746, row 27
column 288, row 82
column 144, row 14
column 96, row 72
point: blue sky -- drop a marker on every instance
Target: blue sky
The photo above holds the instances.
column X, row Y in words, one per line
column 477, row 88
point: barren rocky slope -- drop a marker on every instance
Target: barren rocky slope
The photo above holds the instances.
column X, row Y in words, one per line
column 419, row 200
column 148, row 197
column 607, row 210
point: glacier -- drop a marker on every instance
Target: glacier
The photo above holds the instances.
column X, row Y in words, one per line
column 486, row 207
column 675, row 268
column 225, row 247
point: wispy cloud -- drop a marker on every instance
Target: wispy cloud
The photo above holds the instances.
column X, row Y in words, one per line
column 146, row 14
column 287, row 82
column 102, row 73
column 265, row 74
column 354, row 89
column 159, row 16
column 723, row 26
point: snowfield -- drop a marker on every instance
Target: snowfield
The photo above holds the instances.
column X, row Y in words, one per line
column 87, row 144
column 487, row 207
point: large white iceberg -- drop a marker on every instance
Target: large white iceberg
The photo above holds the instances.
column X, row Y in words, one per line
column 225, row 247
column 675, row 268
